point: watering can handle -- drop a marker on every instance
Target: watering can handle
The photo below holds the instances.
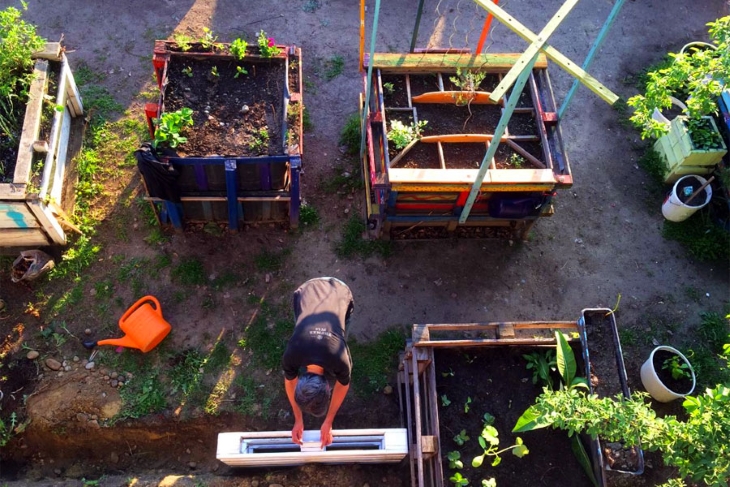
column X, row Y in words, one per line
column 139, row 303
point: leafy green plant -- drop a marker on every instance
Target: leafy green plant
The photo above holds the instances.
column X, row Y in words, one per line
column 489, row 441
column 468, row 81
column 350, row 134
column 308, row 215
column 703, row 134
column 445, row 401
column 187, row 71
column 516, row 160
column 169, row 126
column 214, row 71
column 402, row 135
column 461, row 438
column 239, row 71
column 334, row 67
column 238, row 48
column 458, row 479
column 542, row 364
column 677, row 367
column 260, row 141
column 454, row 458
column 208, row 40
column 183, row 41
column 696, row 77
column 267, row 45
column 467, row 405
column 388, row 88
column 449, row 373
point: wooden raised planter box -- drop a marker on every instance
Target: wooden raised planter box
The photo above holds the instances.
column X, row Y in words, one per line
column 470, row 364
column 681, row 155
column 35, row 203
column 243, row 157
column 424, row 186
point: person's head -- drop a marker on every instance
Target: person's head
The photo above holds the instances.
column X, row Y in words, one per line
column 312, row 394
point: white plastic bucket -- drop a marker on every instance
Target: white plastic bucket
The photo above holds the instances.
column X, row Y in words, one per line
column 674, row 210
column 653, row 384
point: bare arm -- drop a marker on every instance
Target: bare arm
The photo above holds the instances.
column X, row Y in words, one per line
column 338, row 396
column 298, row 430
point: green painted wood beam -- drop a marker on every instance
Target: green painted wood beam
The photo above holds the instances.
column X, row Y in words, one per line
column 532, row 49
column 428, row 62
column 498, row 133
column 553, row 54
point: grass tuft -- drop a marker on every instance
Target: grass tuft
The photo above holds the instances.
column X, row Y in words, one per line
column 350, row 135
column 352, row 243
column 189, row 272
column 374, row 362
column 700, row 236
column 334, row 67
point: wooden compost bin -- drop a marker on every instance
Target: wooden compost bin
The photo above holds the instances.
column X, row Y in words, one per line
column 234, row 185
column 417, row 381
column 420, row 191
column 34, row 206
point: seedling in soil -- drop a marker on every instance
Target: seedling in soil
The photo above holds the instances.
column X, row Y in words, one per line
column 488, row 419
column 239, row 71
column 542, row 365
column 260, row 142
column 188, row 71
column 208, row 40
column 461, row 438
column 402, row 135
column 214, row 71
column 454, row 459
column 169, row 126
column 469, row 82
column 238, row 48
column 335, row 66
column 445, row 400
column 388, row 88
column 489, row 483
column 457, row 479
column 678, row 369
column 516, row 161
column 466, row 405
column 267, row 45
column 450, row 373
column 183, row 41
column 489, row 441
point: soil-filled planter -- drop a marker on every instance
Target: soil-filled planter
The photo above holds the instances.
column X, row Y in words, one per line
column 242, row 157
column 431, row 124
column 681, row 151
column 658, row 377
column 605, row 367
column 37, row 188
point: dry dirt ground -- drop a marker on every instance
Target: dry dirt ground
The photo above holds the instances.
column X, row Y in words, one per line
column 604, row 239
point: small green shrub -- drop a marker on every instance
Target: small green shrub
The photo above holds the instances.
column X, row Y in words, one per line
column 267, row 45
column 169, row 126
column 334, row 67
column 308, row 215
column 402, row 135
column 654, row 164
column 238, row 48
column 350, row 135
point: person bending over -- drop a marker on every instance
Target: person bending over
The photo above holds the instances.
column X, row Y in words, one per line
column 317, row 353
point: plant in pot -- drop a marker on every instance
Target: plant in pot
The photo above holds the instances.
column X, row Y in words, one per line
column 698, row 446
column 695, row 77
column 667, row 374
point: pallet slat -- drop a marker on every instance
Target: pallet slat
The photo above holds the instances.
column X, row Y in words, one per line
column 415, row 62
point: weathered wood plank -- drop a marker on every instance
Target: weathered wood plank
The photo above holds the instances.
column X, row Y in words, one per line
column 429, row 62
column 15, row 237
column 52, row 51
column 17, row 215
column 48, row 222
column 31, row 123
column 72, row 92
column 56, row 185
column 468, row 176
column 474, row 138
column 12, row 191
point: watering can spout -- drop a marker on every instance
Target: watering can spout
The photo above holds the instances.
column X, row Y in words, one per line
column 125, row 341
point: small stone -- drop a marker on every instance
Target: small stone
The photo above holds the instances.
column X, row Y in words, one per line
column 244, row 109
column 57, row 471
column 347, row 210
column 76, row 358
column 92, row 292
column 114, row 383
column 94, row 424
column 81, row 417
column 387, row 390
column 254, row 483
column 87, row 331
column 268, row 278
column 64, row 363
column 114, row 457
column 94, row 417
column 106, row 377
column 365, row 485
column 89, row 366
column 60, row 374
column 67, row 368
column 53, row 364
column 192, row 465
column 120, row 383
column 114, row 375
column 346, row 174
column 33, row 354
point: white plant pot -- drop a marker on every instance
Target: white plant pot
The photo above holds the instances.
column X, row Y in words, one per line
column 655, row 386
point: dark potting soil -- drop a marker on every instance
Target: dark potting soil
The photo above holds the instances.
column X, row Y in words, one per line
column 423, row 83
column 687, row 188
column 681, row 385
column 497, row 382
column 232, row 116
column 395, row 93
column 464, row 156
column 453, row 119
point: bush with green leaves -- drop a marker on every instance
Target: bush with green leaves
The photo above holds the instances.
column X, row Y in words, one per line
column 267, row 45
column 401, row 134
column 169, row 126
column 238, row 48
column 696, row 77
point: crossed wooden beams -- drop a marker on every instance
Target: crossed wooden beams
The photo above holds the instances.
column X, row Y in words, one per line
column 517, row 76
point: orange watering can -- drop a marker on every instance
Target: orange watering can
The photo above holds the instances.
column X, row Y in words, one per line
column 143, row 324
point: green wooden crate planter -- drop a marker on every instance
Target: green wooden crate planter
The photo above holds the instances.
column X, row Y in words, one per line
column 421, row 384
column 228, row 182
column 34, row 205
column 681, row 155
column 420, row 191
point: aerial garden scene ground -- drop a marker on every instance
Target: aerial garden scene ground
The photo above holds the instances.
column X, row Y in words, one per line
column 540, row 271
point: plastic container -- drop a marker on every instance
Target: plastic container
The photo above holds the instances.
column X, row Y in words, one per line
column 655, row 386
column 674, row 209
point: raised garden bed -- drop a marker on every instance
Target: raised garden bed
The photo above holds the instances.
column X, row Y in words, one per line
column 242, row 157
column 430, row 123
column 37, row 186
column 450, row 375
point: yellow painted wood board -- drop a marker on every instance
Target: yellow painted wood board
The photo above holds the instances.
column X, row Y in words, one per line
column 433, row 62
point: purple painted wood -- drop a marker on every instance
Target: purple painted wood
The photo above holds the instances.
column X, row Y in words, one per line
column 295, row 166
column 265, row 176
column 201, row 178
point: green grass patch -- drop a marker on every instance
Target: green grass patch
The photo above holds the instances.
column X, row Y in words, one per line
column 186, row 375
column 189, row 272
column 654, row 164
column 218, row 359
column 267, row 336
column 307, row 124
column 352, row 243
column 226, row 280
column 76, row 259
column 268, row 260
column 700, row 236
column 374, row 362
column 333, row 67
column 254, row 399
column 714, row 331
column 350, row 135
column 308, row 215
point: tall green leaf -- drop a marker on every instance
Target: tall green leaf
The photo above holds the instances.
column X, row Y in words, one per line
column 565, row 358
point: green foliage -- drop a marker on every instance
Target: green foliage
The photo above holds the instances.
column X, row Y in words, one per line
column 461, row 438
column 352, row 243
column 267, row 335
column 350, row 135
column 542, row 365
column 76, row 259
column 214, row 71
column 713, row 331
column 271, row 260
column 182, row 40
column 458, row 480
column 402, row 135
column 677, row 367
column 142, row 395
column 516, row 160
column 375, row 361
column 169, row 126
column 468, row 80
column 189, row 272
column 238, row 48
column 308, row 215
column 267, row 45
column 445, row 401
column 654, row 164
column 334, row 67
column 239, row 71
column 454, row 459
column 260, row 141
column 388, row 88
column 208, row 40
column 7, row 430
column 696, row 77
column 186, row 373
column 700, row 236
column 489, row 441
column 703, row 134
column 467, row 405
column 187, row 71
